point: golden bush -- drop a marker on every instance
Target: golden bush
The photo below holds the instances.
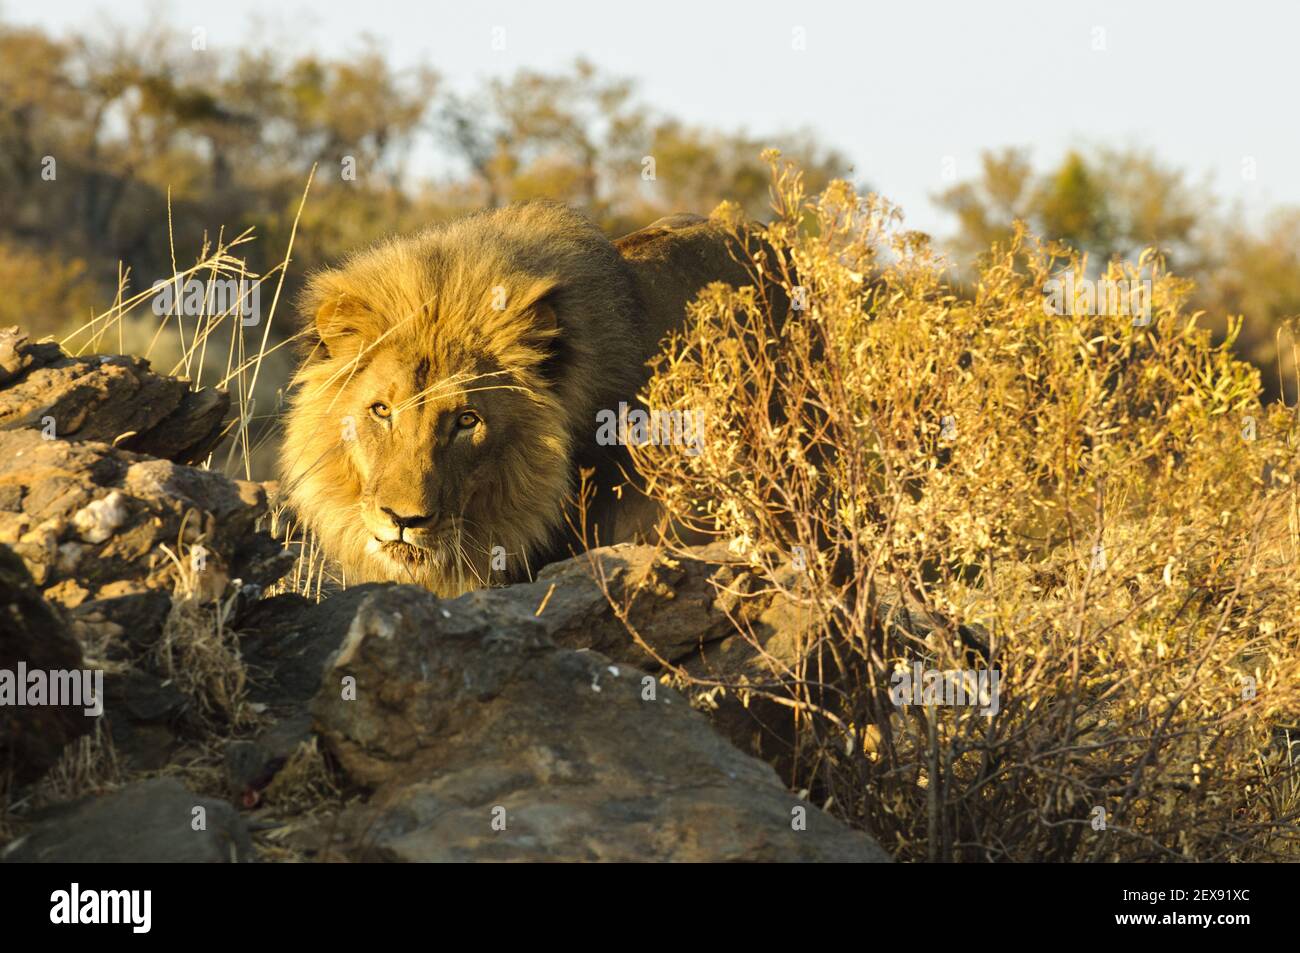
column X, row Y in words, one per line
column 1096, row 507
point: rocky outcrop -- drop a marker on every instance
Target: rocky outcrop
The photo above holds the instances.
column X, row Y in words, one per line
column 156, row 821
column 484, row 740
column 463, row 731
column 104, row 531
column 471, row 734
column 115, row 399
column 110, row 535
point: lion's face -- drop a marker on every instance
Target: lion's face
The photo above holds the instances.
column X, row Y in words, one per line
column 439, row 442
column 423, row 446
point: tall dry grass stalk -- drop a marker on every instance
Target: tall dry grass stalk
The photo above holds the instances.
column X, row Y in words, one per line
column 213, row 347
column 1101, row 512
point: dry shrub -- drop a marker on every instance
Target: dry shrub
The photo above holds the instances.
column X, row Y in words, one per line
column 1101, row 512
column 90, row 763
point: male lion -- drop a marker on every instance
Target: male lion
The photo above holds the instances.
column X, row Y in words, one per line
column 449, row 393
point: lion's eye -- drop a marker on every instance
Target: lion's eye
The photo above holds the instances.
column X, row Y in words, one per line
column 467, row 420
column 380, row 410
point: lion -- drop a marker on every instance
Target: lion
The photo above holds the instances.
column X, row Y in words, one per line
column 443, row 420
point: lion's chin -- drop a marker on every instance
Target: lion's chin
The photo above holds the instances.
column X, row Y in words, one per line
column 433, row 568
column 403, row 560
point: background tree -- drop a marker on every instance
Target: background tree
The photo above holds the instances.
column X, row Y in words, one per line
column 1257, row 275
column 1113, row 203
column 1109, row 203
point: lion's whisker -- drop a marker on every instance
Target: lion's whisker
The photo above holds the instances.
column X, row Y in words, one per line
column 428, row 393
column 445, row 382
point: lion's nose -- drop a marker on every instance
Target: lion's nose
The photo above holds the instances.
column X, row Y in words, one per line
column 407, row 522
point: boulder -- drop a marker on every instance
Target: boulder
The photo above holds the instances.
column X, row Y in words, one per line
column 484, row 740
column 98, row 526
column 675, row 605
column 147, row 718
column 150, row 821
column 688, row 610
column 33, row 635
column 115, row 399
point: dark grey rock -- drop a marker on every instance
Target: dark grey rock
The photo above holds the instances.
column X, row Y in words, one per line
column 253, row 764
column 464, row 717
column 146, row 822
column 147, row 718
column 286, row 640
column 35, row 634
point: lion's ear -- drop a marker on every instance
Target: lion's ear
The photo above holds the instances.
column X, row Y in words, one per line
column 539, row 305
column 345, row 325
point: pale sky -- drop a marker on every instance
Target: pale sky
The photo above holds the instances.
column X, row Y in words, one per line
column 907, row 90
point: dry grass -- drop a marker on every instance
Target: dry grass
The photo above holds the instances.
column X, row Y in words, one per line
column 313, row 574
column 199, row 653
column 305, row 781
column 208, row 345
